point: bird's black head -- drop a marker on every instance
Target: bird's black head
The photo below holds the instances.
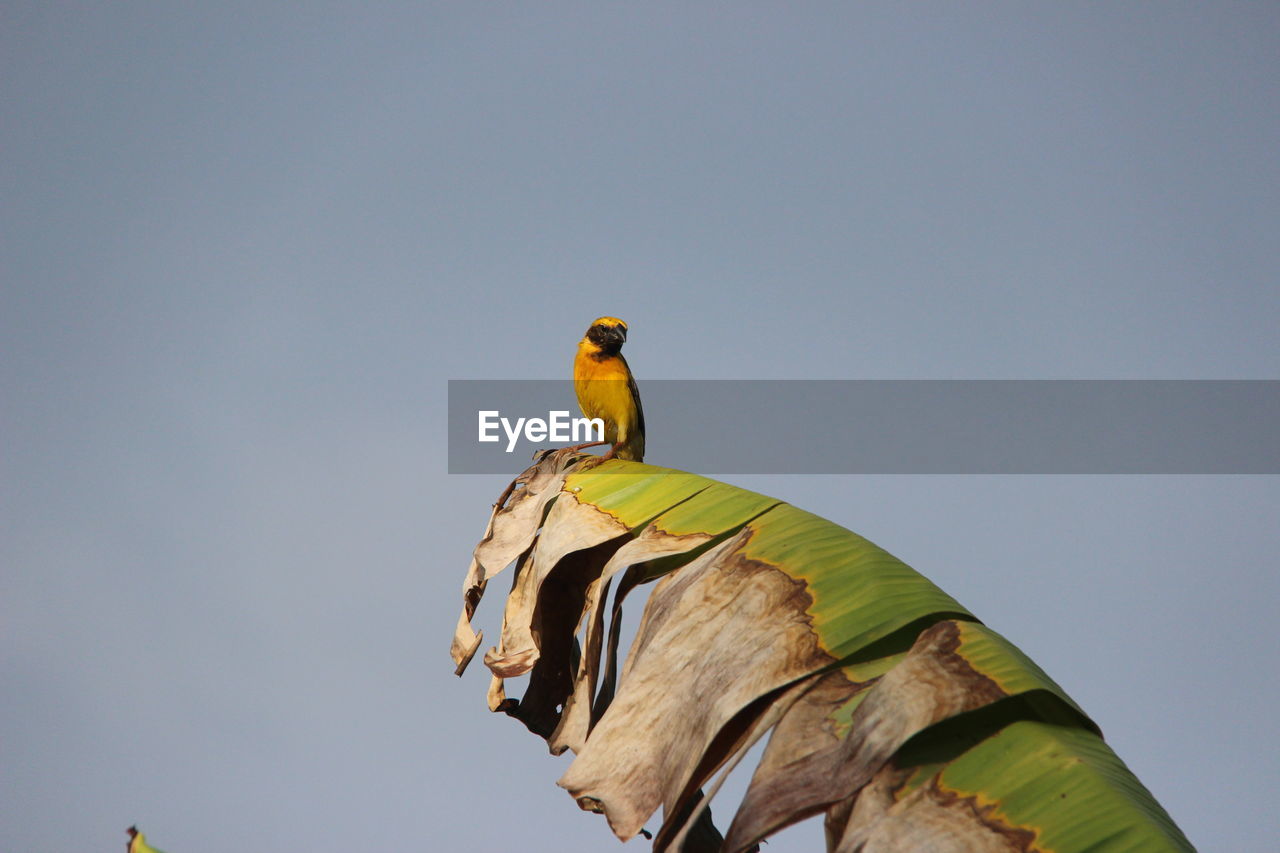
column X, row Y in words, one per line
column 608, row 333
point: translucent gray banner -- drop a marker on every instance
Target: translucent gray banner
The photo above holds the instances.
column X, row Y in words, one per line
column 896, row 426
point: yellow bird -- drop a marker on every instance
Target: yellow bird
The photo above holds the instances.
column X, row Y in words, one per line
column 138, row 842
column 607, row 390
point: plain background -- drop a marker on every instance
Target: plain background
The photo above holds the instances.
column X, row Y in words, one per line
column 244, row 246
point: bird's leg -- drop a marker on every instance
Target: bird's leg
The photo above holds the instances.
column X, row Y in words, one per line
column 579, row 447
column 611, row 452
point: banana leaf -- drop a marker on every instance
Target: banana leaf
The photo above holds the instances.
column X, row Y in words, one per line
column 890, row 709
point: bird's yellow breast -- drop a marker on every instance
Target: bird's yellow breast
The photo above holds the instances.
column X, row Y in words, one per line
column 604, row 391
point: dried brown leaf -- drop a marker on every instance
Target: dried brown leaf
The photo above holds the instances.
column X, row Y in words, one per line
column 570, row 527
column 651, row 544
column 804, row 771
column 715, row 636
column 511, row 529
column 926, row 819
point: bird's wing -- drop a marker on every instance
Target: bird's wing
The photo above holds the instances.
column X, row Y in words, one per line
column 635, row 395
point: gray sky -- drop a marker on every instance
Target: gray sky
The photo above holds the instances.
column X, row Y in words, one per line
column 244, row 246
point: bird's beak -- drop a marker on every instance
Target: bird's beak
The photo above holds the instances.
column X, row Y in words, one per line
column 620, row 333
